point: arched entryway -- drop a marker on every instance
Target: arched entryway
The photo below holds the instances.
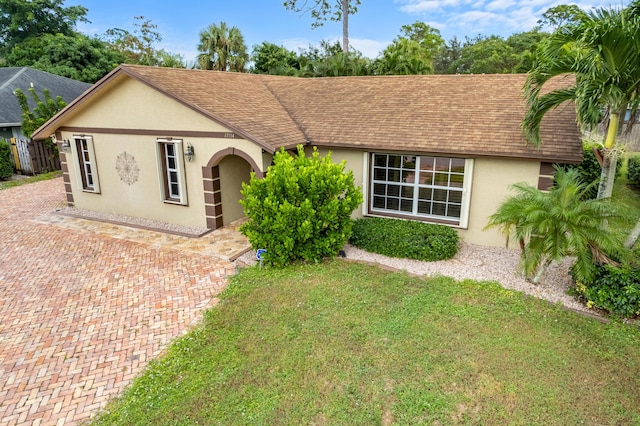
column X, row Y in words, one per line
column 222, row 182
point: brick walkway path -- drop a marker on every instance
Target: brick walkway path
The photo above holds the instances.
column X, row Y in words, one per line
column 81, row 313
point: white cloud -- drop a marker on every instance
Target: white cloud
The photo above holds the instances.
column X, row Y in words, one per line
column 369, row 48
column 498, row 5
column 422, row 6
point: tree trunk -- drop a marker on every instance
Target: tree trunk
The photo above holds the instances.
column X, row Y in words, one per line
column 632, row 239
column 608, row 175
column 540, row 272
column 345, row 26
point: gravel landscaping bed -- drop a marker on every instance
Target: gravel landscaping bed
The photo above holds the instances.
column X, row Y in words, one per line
column 135, row 222
column 481, row 264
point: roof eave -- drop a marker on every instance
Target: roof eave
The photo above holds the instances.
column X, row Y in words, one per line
column 50, row 127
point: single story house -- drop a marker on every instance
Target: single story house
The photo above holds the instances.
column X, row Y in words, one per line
column 24, row 78
column 175, row 145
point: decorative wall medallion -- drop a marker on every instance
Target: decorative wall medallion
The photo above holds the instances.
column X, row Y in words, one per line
column 127, row 168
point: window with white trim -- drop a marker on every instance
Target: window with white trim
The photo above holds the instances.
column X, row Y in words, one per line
column 87, row 166
column 421, row 186
column 171, row 171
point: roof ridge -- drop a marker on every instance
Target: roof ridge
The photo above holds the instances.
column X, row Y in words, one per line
column 15, row 76
column 287, row 110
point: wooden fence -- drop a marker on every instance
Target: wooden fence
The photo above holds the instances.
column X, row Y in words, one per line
column 630, row 139
column 33, row 157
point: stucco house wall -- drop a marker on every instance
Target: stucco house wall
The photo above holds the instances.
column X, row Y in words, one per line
column 130, row 119
column 418, row 146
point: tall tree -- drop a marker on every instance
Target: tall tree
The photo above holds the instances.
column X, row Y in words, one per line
column 24, row 19
column 137, row 47
column 404, row 57
column 76, row 56
column 330, row 61
column 222, row 49
column 320, row 10
column 561, row 15
column 427, row 36
column 269, row 58
column 602, row 52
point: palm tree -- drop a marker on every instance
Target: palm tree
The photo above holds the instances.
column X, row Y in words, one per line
column 222, row 49
column 602, row 52
column 558, row 223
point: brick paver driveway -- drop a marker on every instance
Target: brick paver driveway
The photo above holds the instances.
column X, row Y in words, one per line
column 81, row 314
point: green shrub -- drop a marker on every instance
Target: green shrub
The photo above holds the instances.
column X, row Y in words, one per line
column 616, row 290
column 6, row 161
column 301, row 209
column 633, row 169
column 405, row 238
column 589, row 169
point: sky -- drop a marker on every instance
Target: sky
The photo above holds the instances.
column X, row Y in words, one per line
column 371, row 29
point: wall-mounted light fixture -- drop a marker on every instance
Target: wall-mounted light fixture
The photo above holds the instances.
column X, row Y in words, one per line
column 65, row 145
column 189, row 152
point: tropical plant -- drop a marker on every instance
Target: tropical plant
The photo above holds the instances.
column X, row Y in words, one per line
column 301, row 209
column 404, row 57
column 43, row 110
column 222, row 48
column 601, row 50
column 561, row 222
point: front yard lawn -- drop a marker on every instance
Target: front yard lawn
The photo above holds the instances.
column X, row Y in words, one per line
column 343, row 343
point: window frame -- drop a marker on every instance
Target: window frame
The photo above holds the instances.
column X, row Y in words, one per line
column 406, row 189
column 86, row 164
column 171, row 171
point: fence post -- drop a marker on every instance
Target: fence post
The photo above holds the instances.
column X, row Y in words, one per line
column 16, row 156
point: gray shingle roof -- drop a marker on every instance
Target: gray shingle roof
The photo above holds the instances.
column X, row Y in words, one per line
column 465, row 115
column 23, row 78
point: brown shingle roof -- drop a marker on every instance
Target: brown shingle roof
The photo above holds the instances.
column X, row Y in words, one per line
column 465, row 115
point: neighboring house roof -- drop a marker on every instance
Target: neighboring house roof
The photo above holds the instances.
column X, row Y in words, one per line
column 466, row 115
column 23, row 78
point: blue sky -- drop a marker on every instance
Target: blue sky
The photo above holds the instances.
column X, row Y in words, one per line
column 375, row 25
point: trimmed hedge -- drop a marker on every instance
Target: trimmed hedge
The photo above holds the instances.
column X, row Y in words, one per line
column 615, row 290
column 405, row 238
column 633, row 169
column 6, row 161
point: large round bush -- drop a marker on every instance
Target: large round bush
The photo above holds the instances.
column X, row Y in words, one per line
column 302, row 209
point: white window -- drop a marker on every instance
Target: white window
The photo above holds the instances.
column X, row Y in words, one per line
column 87, row 165
column 421, row 186
column 171, row 171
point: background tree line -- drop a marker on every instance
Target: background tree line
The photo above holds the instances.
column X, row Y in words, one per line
column 42, row 34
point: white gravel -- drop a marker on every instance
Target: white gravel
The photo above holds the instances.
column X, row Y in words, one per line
column 481, row 264
column 136, row 222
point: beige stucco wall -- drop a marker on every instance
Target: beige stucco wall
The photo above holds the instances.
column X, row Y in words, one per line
column 233, row 171
column 355, row 162
column 490, row 186
column 134, row 107
column 137, row 111
column 491, row 181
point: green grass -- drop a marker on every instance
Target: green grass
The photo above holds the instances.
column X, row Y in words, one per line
column 630, row 197
column 343, row 343
column 4, row 184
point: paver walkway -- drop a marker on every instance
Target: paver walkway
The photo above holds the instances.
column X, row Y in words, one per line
column 82, row 312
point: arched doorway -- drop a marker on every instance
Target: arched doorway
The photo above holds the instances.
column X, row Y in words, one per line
column 222, row 181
